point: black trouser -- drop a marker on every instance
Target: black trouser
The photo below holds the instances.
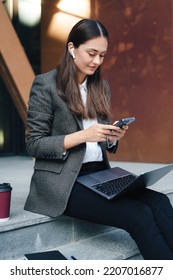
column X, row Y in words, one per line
column 147, row 216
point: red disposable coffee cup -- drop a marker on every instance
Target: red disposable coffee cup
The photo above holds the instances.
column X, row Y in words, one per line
column 5, row 201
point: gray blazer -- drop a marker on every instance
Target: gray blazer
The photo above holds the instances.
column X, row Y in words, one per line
column 49, row 120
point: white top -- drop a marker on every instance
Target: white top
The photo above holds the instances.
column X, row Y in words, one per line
column 93, row 149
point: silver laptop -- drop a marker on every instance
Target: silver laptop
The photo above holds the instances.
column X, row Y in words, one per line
column 115, row 182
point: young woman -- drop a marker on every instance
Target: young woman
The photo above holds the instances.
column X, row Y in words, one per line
column 69, row 133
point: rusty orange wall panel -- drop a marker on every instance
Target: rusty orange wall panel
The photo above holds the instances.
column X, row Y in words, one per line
column 138, row 67
column 15, row 68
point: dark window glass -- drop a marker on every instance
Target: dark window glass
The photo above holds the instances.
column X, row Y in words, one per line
column 12, row 131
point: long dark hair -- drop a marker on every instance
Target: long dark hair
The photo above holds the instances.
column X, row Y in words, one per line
column 67, row 83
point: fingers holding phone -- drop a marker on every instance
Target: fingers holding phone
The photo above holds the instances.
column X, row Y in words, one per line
column 122, row 126
column 117, row 133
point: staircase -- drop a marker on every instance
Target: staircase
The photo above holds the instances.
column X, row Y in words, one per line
column 27, row 232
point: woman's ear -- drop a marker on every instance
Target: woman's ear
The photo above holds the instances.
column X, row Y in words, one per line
column 72, row 52
column 71, row 49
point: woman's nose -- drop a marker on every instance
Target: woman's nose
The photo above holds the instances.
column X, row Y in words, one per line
column 97, row 60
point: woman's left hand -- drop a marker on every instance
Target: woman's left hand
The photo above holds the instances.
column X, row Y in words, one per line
column 117, row 133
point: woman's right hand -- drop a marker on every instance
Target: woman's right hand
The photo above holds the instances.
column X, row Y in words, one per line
column 94, row 133
column 100, row 132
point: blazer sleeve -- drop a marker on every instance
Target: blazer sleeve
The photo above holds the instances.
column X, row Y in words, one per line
column 112, row 148
column 40, row 143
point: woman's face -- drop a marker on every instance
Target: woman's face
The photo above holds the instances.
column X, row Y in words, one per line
column 89, row 56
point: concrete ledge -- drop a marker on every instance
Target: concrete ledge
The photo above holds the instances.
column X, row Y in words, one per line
column 14, row 244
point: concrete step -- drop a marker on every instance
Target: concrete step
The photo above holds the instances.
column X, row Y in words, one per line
column 69, row 236
column 43, row 234
column 112, row 245
column 27, row 232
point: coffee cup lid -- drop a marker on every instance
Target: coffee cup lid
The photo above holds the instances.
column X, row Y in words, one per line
column 5, row 187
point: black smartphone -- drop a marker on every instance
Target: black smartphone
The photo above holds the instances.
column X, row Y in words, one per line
column 125, row 121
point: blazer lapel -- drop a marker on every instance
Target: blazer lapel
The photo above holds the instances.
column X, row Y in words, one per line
column 103, row 121
column 79, row 121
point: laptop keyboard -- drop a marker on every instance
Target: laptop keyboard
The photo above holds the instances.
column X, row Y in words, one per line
column 115, row 186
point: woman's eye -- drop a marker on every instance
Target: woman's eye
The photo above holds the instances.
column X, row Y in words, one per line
column 91, row 54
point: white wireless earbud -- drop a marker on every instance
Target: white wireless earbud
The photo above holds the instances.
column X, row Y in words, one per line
column 72, row 53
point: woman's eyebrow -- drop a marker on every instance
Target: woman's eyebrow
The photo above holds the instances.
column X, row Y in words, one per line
column 91, row 49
